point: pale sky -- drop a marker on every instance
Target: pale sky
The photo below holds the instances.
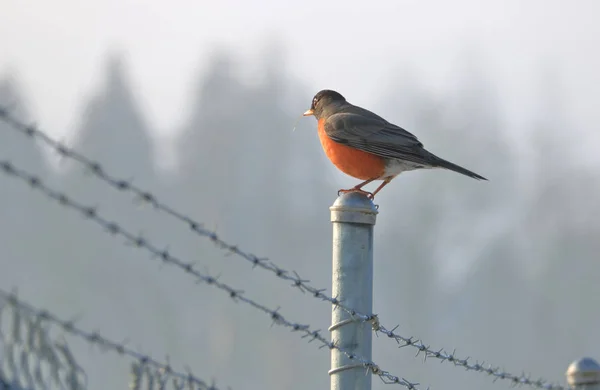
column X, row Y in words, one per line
column 57, row 48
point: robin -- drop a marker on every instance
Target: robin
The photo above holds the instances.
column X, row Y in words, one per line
column 367, row 147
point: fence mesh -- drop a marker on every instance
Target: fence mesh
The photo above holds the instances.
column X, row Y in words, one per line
column 34, row 354
column 32, row 358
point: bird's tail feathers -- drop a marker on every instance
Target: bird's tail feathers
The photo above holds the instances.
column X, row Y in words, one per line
column 440, row 162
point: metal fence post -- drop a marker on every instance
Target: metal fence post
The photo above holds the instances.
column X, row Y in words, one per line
column 353, row 216
column 584, row 374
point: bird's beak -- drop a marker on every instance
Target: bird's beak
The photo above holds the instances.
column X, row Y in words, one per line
column 308, row 113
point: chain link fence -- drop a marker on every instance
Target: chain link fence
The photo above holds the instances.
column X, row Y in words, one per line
column 32, row 358
column 34, row 354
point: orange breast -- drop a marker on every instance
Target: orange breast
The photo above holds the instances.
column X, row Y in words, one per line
column 351, row 161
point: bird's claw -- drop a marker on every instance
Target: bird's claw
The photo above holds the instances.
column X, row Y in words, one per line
column 367, row 193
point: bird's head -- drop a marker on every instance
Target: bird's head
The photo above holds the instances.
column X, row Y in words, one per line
column 324, row 101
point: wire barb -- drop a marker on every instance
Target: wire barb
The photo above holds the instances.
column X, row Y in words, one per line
column 443, row 356
column 138, row 242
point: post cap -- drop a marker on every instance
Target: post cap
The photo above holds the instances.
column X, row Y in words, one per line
column 354, row 207
column 584, row 371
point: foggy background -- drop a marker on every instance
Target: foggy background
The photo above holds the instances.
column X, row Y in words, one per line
column 196, row 102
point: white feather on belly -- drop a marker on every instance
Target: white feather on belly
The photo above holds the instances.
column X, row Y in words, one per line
column 396, row 167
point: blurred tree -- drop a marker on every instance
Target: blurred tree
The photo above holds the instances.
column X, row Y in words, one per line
column 14, row 144
column 25, row 210
column 409, row 266
column 97, row 270
column 242, row 173
column 239, row 156
column 212, row 141
column 562, row 223
column 448, row 225
column 113, row 130
column 112, row 133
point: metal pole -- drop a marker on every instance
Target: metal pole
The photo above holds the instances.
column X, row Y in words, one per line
column 353, row 216
column 584, row 374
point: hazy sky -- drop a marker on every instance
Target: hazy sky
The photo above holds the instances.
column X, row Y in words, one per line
column 57, row 48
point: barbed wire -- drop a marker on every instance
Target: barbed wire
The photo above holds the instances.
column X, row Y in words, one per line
column 124, row 185
column 43, row 316
column 138, row 241
column 298, row 282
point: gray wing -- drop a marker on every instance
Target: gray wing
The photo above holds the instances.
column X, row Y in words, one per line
column 368, row 132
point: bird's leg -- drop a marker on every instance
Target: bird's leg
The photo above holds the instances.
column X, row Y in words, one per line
column 361, row 185
column 385, row 182
column 358, row 188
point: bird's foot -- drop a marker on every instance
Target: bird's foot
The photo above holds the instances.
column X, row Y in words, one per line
column 368, row 194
